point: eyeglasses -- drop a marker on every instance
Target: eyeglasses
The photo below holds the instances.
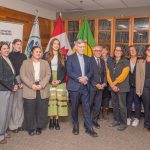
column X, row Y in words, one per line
column 81, row 46
column 98, row 51
column 148, row 49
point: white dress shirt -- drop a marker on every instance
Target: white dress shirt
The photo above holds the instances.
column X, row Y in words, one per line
column 82, row 64
column 36, row 66
column 54, row 62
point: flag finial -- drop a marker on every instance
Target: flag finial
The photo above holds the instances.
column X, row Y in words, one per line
column 37, row 12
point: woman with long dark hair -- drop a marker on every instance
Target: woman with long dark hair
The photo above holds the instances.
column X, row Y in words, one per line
column 35, row 75
column 143, row 84
column 58, row 93
column 118, row 79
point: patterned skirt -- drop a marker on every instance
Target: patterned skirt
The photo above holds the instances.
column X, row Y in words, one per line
column 58, row 101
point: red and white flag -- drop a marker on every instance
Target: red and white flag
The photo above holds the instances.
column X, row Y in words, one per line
column 60, row 34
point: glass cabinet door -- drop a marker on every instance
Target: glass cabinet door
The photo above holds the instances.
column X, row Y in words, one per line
column 141, row 34
column 122, row 33
column 104, row 35
column 73, row 29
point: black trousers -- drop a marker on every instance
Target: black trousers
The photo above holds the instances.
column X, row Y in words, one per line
column 119, row 107
column 146, row 103
column 95, row 103
column 35, row 112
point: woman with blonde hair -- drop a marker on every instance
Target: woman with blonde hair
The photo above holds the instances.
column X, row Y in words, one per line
column 58, row 93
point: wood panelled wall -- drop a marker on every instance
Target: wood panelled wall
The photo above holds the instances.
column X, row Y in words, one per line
column 27, row 20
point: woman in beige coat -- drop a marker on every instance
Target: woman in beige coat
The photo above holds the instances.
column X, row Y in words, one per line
column 143, row 84
column 35, row 74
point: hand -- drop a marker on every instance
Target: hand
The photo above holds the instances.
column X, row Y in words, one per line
column 39, row 87
column 139, row 94
column 34, row 87
column 100, row 86
column 15, row 88
column 55, row 82
column 83, row 80
column 115, row 89
column 20, row 85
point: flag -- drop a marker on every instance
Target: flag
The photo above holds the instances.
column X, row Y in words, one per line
column 86, row 35
column 34, row 39
column 60, row 34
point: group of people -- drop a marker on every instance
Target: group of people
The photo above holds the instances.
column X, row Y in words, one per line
column 38, row 89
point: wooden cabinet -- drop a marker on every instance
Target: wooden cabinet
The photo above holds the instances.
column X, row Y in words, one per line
column 105, row 32
column 115, row 31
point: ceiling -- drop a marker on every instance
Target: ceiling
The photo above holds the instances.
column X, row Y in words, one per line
column 85, row 5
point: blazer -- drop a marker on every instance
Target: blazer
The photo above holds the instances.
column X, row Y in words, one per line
column 7, row 78
column 118, row 74
column 98, row 74
column 27, row 77
column 74, row 71
column 140, row 76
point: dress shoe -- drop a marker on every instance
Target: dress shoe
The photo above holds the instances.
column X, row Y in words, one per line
column 51, row 124
column 38, row 131
column 20, row 129
column 56, row 124
column 122, row 127
column 7, row 135
column 96, row 125
column 4, row 141
column 15, row 131
column 85, row 126
column 75, row 130
column 91, row 132
column 114, row 124
column 146, row 130
column 31, row 132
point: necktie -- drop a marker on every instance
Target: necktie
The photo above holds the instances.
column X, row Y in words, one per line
column 98, row 63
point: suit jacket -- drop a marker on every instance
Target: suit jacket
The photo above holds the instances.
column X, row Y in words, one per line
column 140, row 76
column 74, row 71
column 27, row 77
column 7, row 78
column 98, row 74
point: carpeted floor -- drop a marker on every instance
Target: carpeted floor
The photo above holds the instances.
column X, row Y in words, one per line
column 109, row 139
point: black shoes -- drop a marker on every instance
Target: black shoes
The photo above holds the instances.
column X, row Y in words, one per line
column 114, row 124
column 15, row 131
column 20, row 129
column 91, row 132
column 51, row 124
column 38, row 131
column 121, row 127
column 31, row 132
column 75, row 130
column 96, row 125
column 54, row 123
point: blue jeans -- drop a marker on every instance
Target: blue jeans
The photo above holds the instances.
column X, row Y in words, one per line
column 132, row 98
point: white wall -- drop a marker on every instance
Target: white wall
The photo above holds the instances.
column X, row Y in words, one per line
column 28, row 8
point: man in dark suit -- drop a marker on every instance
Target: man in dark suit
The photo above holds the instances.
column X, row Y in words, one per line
column 79, row 72
column 98, row 82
